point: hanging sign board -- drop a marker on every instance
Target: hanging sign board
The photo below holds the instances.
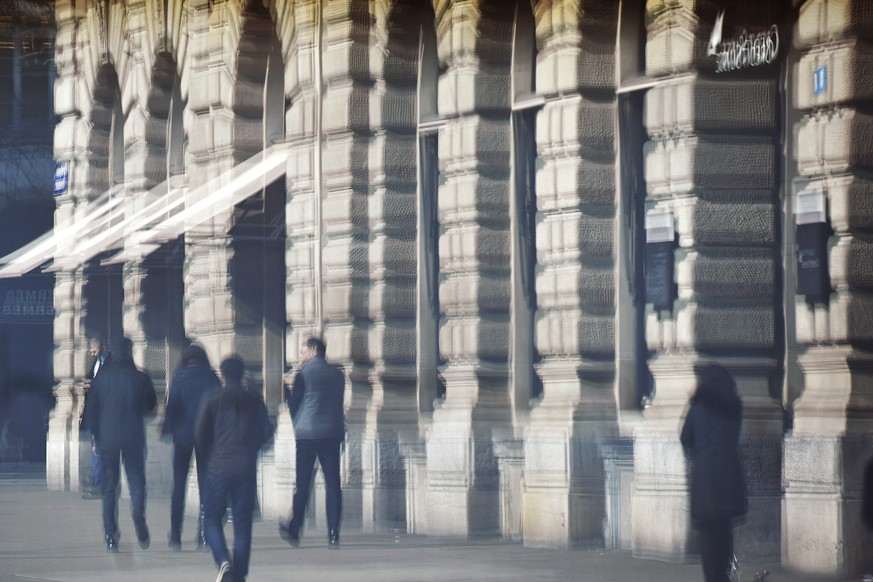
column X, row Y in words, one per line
column 660, row 244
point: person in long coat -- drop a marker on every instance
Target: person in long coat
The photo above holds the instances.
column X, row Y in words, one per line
column 192, row 384
column 711, row 439
column 117, row 403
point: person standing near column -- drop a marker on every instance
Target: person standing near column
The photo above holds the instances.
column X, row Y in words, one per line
column 99, row 356
column 711, row 439
column 192, row 384
column 119, row 399
column 231, row 428
column 316, row 406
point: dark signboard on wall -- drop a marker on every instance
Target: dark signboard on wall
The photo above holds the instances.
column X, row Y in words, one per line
column 813, row 280
column 659, row 274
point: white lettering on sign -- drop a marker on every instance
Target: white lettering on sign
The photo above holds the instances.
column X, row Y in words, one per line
column 747, row 50
column 24, row 302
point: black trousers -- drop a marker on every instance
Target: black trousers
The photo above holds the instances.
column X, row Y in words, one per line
column 182, row 454
column 327, row 451
column 716, row 550
column 134, row 468
column 241, row 488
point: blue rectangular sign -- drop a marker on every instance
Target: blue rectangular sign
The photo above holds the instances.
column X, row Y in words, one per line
column 62, row 177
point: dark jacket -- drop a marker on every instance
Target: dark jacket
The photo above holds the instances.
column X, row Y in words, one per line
column 118, row 400
column 191, row 386
column 231, row 427
column 711, row 438
column 316, row 401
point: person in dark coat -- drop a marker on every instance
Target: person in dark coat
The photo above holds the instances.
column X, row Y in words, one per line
column 231, row 428
column 711, row 439
column 316, row 406
column 119, row 399
column 192, row 384
column 99, row 356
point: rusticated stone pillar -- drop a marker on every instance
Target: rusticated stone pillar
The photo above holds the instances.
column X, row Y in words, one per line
column 575, row 320
column 710, row 171
column 347, row 78
column 225, row 277
column 474, row 40
column 301, row 21
column 369, row 260
column 826, row 451
column 81, row 137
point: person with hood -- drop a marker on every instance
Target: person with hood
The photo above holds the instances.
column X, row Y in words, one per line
column 192, row 384
column 119, row 399
column 711, row 439
column 231, row 428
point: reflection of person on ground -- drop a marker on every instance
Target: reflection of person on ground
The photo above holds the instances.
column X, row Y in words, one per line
column 192, row 384
column 232, row 426
column 98, row 357
column 316, row 406
column 118, row 400
column 711, row 438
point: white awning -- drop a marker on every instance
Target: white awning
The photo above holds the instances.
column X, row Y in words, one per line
column 141, row 233
column 101, row 211
column 222, row 193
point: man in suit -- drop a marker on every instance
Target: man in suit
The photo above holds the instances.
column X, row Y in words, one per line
column 99, row 356
column 119, row 399
column 231, row 428
column 316, row 406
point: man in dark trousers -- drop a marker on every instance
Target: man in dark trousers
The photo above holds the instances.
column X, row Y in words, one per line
column 711, row 439
column 192, row 384
column 316, row 406
column 232, row 426
column 98, row 354
column 120, row 397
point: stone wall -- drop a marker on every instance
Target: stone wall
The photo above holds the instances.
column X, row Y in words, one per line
column 149, row 90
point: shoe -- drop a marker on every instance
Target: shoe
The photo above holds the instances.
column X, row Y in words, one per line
column 174, row 542
column 290, row 533
column 225, row 573
column 333, row 539
column 142, row 535
column 111, row 545
column 92, row 494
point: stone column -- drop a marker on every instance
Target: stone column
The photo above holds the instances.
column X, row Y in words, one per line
column 68, row 456
column 474, row 249
column 148, row 318
column 369, row 263
column 392, row 415
column 825, row 453
column 710, row 171
column 225, row 129
column 564, row 501
column 301, row 21
column 346, row 196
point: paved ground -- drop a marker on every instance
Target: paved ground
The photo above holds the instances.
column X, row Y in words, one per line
column 53, row 536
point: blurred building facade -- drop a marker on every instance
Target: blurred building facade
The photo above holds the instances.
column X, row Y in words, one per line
column 27, row 121
column 517, row 225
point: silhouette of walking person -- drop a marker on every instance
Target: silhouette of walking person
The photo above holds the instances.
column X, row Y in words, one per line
column 711, row 439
